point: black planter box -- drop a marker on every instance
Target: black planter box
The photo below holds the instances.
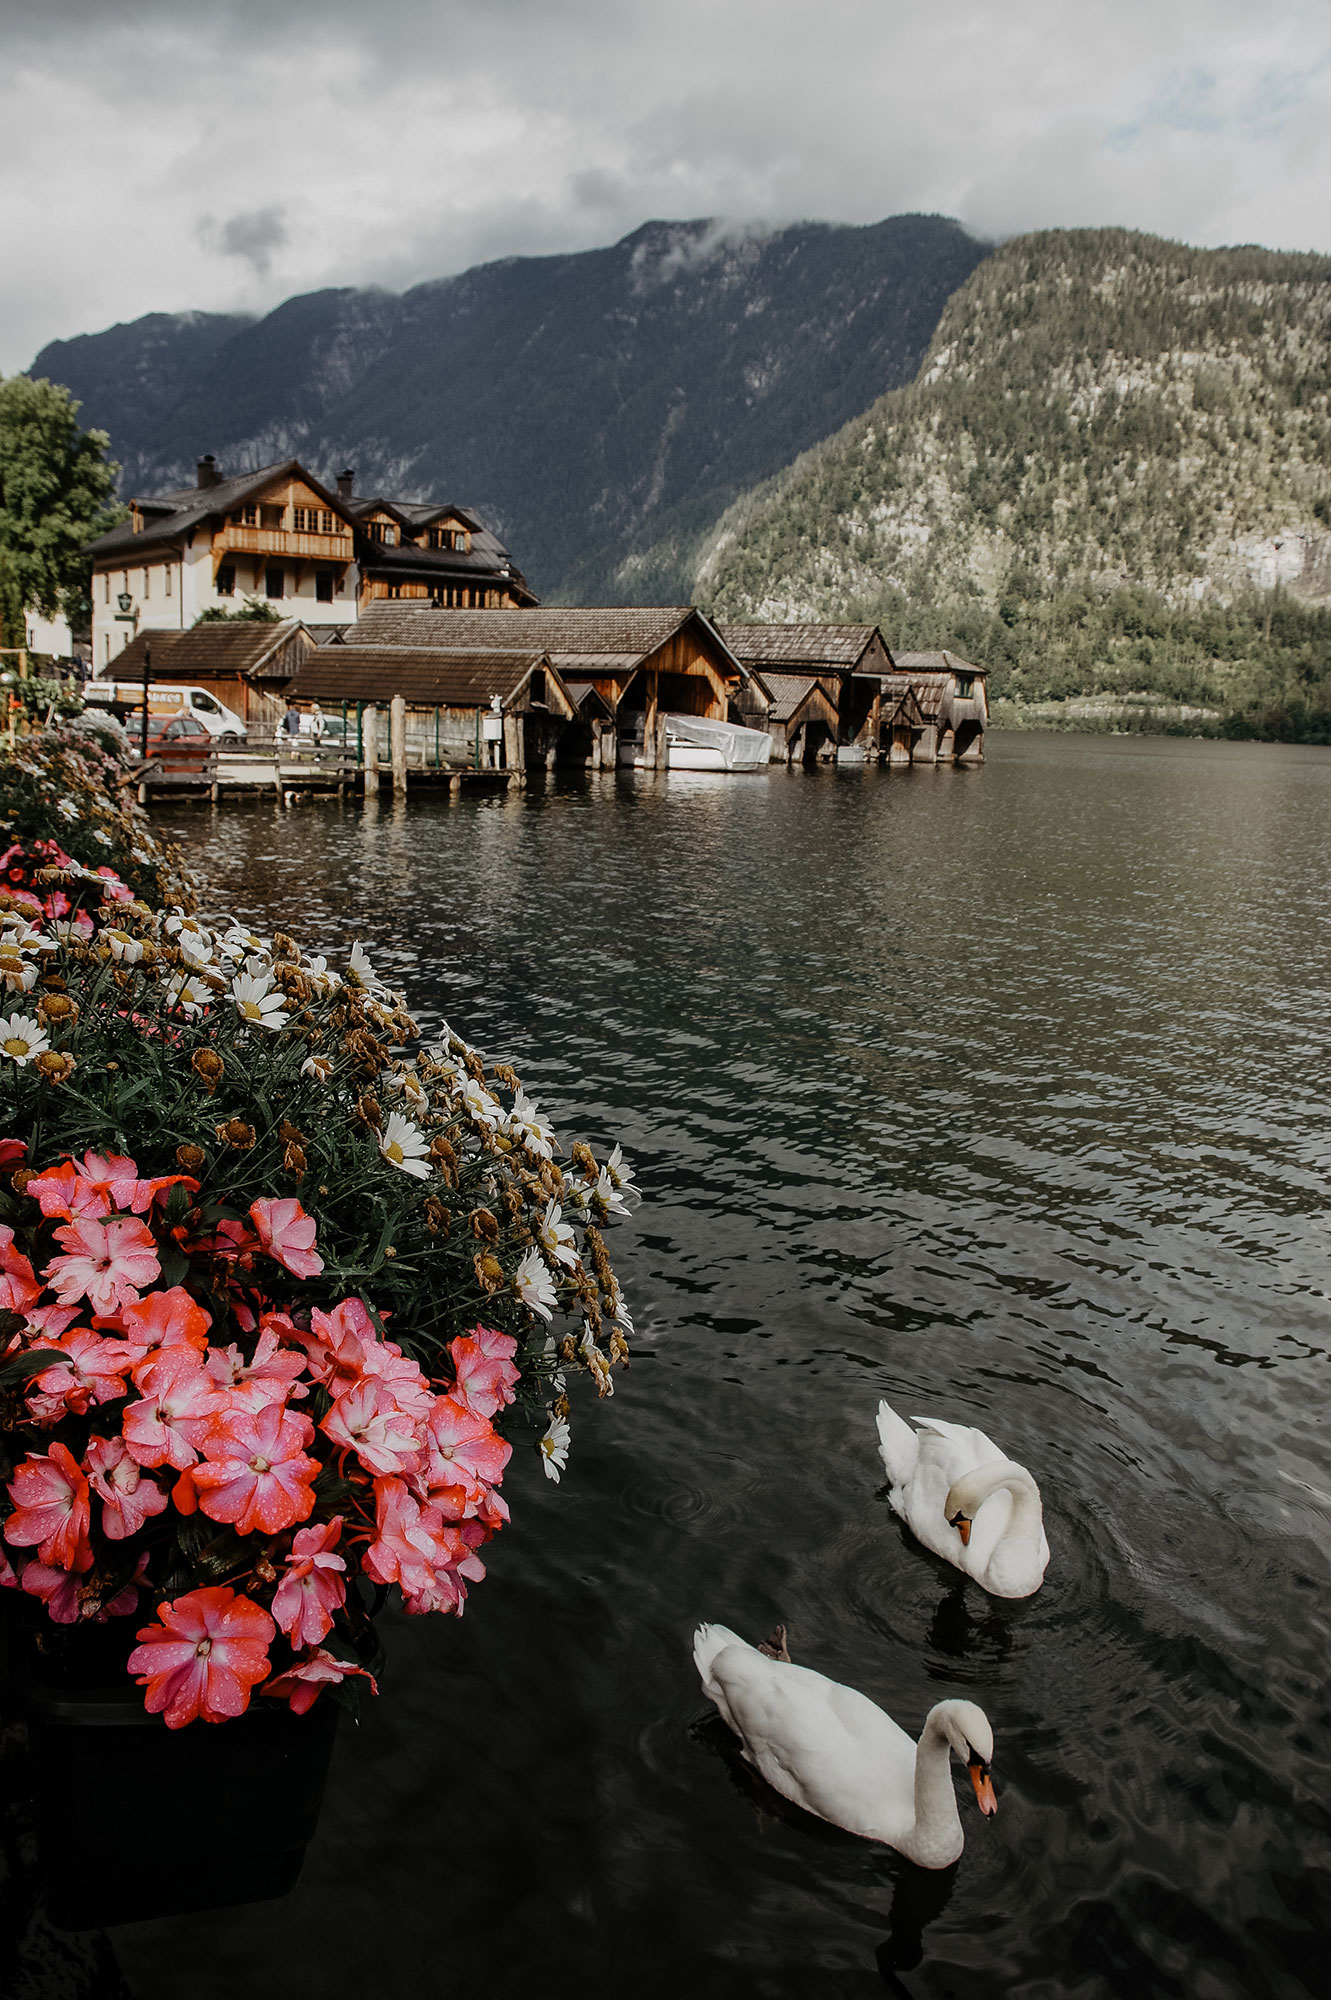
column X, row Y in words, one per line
column 135, row 1820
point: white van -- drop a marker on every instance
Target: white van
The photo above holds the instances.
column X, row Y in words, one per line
column 125, row 698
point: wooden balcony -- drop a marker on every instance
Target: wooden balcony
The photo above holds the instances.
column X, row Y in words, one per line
column 281, row 542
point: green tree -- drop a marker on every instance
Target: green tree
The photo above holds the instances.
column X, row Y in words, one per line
column 255, row 611
column 56, row 488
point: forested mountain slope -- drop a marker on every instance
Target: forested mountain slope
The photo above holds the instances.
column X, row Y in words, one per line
column 1113, row 471
column 592, row 407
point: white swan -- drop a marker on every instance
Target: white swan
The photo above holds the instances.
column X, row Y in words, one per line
column 834, row 1752
column 966, row 1500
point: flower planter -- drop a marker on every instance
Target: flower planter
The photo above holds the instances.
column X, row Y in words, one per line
column 136, row 1821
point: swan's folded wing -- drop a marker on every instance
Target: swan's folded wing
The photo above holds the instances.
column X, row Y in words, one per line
column 971, row 1446
column 898, row 1446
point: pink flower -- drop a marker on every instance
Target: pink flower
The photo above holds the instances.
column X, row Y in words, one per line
column 19, row 1288
column 90, row 1370
column 303, row 1683
column 368, row 1421
column 68, row 1601
column 179, row 1402
column 287, row 1233
column 169, row 1318
column 312, row 1589
column 462, row 1450
column 257, row 1474
column 109, row 1263
column 204, row 1657
column 485, row 1370
column 128, row 1496
column 269, row 1378
column 64, row 1191
column 403, row 1551
column 51, row 1509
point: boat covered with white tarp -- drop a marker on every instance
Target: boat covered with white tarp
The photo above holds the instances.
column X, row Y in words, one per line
column 693, row 743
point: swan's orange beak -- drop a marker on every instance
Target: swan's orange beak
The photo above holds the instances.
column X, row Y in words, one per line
column 961, row 1522
column 984, row 1789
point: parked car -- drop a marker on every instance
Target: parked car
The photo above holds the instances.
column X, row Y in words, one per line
column 178, row 740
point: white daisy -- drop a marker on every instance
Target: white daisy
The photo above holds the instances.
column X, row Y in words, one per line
column 597, row 1363
column 256, row 1000
column 482, row 1109
column 606, row 1191
column 525, row 1122
column 105, row 838
column 621, row 1173
column 124, row 948
column 67, row 809
column 534, row 1286
column 196, row 948
column 22, row 1038
column 358, row 965
column 319, row 1067
column 405, row 1145
column 410, row 1086
column 18, row 974
column 187, row 993
column 556, row 1238
column 554, row 1448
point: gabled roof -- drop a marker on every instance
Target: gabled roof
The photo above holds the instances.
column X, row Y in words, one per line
column 218, row 649
column 791, row 691
column 427, row 676
column 935, row 663
column 620, row 636
column 169, row 516
column 807, row 647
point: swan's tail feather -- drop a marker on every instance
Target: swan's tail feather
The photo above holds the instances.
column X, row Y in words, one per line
column 898, row 1446
column 708, row 1641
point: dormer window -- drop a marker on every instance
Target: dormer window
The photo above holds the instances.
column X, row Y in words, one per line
column 383, row 531
column 248, row 517
column 448, row 538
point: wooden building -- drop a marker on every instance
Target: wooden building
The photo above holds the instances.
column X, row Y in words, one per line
column 280, row 535
column 245, row 663
column 822, row 679
column 449, row 693
column 951, row 705
column 633, row 666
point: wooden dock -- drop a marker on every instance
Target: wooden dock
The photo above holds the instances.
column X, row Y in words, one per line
column 275, row 769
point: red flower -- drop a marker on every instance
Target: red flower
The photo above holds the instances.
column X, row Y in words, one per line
column 19, row 1288
column 109, row 1263
column 202, row 1659
column 166, row 1319
column 312, row 1589
column 303, row 1683
column 269, row 1378
column 367, row 1420
column 51, row 1509
column 128, row 1497
column 13, row 1152
column 89, row 1370
column 179, row 1402
column 257, row 1474
column 462, row 1450
column 287, row 1233
column 485, row 1370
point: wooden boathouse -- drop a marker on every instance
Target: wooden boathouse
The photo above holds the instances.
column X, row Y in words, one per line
column 823, row 680
column 630, row 667
column 247, row 664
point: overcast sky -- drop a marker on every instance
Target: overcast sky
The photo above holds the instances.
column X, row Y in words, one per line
column 167, row 154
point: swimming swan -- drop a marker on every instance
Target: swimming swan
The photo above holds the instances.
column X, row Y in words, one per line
column 834, row 1752
column 966, row 1500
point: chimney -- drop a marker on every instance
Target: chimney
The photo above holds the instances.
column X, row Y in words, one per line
column 346, row 482
column 208, row 473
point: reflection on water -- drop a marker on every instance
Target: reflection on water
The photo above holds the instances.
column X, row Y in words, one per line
column 999, row 1092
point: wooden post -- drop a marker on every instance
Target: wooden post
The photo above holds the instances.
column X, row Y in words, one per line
column 514, row 748
column 609, row 747
column 594, row 761
column 397, row 729
column 649, row 723
column 370, row 752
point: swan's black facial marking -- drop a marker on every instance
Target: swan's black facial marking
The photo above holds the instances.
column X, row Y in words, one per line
column 978, row 1771
column 974, row 1761
column 961, row 1522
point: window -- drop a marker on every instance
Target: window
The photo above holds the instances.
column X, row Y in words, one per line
column 226, row 580
column 447, row 538
column 168, row 574
column 276, row 583
column 308, row 519
column 323, row 586
column 395, row 590
column 383, row 531
column 204, row 703
column 273, row 517
column 330, row 525
column 248, row 517
column 964, row 686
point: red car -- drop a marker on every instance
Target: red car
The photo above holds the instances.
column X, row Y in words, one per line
column 181, row 743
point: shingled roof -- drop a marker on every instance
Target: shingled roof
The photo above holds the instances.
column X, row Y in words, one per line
column 218, row 649
column 169, row 516
column 615, row 637
column 935, row 663
column 427, row 676
column 840, row 647
column 789, row 691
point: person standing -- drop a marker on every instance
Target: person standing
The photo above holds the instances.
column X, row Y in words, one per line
column 291, row 722
column 317, row 721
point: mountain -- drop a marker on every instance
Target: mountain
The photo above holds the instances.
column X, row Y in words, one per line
column 599, row 410
column 1112, row 475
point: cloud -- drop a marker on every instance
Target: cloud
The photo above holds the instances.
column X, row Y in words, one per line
column 404, row 142
column 253, row 235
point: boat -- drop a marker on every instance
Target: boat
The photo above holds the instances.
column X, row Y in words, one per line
column 693, row 743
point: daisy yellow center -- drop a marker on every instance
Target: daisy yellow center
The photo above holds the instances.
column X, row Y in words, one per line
column 394, row 1152
column 17, row 1045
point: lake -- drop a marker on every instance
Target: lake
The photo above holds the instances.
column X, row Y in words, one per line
column 1001, row 1092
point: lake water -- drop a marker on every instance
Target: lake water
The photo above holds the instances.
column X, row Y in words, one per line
column 1003, row 1093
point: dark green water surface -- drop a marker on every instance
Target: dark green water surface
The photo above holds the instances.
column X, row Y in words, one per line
column 1002, row 1093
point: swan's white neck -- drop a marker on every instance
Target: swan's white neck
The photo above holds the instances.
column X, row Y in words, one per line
column 1025, row 1521
column 937, row 1830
